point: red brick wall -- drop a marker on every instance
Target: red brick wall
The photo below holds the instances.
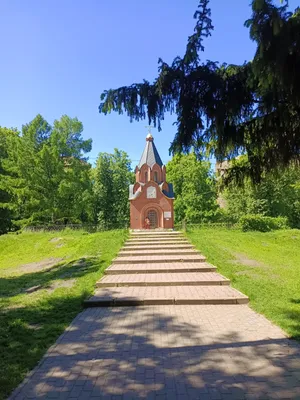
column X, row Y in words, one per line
column 141, row 205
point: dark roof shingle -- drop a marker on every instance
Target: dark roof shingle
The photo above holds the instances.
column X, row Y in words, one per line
column 150, row 155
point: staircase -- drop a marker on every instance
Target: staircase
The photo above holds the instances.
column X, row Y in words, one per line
column 162, row 267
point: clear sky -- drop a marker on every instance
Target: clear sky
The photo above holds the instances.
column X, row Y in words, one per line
column 57, row 56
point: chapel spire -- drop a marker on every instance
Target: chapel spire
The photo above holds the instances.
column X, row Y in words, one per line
column 150, row 154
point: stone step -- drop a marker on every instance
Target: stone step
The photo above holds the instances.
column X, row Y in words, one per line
column 148, row 268
column 163, row 279
column 135, row 296
column 158, row 240
column 159, row 259
column 156, row 236
column 155, row 246
column 155, row 233
column 152, row 252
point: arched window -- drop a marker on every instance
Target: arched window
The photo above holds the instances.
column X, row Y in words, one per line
column 155, row 176
column 146, row 177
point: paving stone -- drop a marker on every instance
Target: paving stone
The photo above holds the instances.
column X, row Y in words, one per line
column 159, row 268
column 163, row 240
column 150, row 246
column 151, row 233
column 163, row 279
column 159, row 259
column 162, row 251
column 155, row 240
column 206, row 343
column 133, row 295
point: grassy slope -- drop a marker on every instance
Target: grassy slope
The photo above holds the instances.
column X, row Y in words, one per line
column 30, row 323
column 271, row 279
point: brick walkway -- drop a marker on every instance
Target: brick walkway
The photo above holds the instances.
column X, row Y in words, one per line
column 206, row 352
column 163, row 279
column 169, row 352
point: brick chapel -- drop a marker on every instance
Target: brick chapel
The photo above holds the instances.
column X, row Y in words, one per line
column 151, row 197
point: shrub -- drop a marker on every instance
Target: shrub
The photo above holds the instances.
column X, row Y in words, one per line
column 226, row 217
column 262, row 223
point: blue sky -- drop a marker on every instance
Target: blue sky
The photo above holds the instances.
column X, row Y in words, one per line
column 57, row 56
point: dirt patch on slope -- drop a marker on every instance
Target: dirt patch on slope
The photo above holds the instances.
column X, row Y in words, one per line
column 38, row 265
column 53, row 286
column 249, row 274
column 61, row 284
column 244, row 260
column 55, row 239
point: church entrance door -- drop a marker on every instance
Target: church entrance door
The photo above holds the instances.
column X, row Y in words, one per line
column 152, row 215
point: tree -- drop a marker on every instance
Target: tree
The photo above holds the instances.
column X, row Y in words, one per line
column 112, row 177
column 228, row 110
column 277, row 195
column 73, row 183
column 47, row 176
column 195, row 189
column 5, row 211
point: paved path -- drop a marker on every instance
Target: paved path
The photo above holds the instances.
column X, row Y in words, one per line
column 206, row 352
column 169, row 352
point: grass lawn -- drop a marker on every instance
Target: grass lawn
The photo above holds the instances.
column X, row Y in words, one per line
column 44, row 278
column 264, row 266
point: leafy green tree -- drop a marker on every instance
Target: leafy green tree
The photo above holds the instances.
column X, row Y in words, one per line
column 48, row 179
column 228, row 109
column 195, row 189
column 5, row 209
column 67, row 137
column 277, row 195
column 73, row 183
column 112, row 177
column 103, row 191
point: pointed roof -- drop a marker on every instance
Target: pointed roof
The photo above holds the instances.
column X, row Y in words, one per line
column 150, row 154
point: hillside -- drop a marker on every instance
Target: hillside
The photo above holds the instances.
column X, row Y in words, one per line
column 264, row 266
column 44, row 278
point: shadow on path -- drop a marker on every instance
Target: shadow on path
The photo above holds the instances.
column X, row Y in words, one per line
column 168, row 352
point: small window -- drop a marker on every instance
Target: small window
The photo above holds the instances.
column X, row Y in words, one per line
column 155, row 176
column 146, row 177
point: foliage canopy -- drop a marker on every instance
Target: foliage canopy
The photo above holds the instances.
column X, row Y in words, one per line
column 45, row 178
column 112, row 176
column 277, row 195
column 195, row 189
column 228, row 110
column 44, row 172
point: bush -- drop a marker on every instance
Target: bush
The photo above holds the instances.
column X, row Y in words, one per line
column 226, row 217
column 262, row 223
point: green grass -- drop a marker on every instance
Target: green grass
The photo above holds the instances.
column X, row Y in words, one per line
column 37, row 305
column 264, row 266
